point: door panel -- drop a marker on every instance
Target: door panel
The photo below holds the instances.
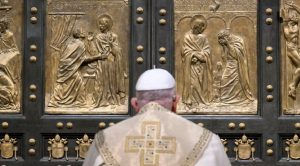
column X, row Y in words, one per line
column 211, row 77
column 94, row 29
column 11, row 56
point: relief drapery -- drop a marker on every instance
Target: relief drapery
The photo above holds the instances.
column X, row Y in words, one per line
column 215, row 56
column 235, row 88
column 87, row 62
column 10, row 56
column 69, row 83
column 290, row 71
column 197, row 66
column 110, row 70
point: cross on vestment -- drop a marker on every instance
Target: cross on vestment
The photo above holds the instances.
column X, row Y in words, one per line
column 150, row 144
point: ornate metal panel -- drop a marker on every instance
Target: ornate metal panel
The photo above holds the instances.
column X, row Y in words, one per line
column 11, row 52
column 216, row 54
column 87, row 57
column 290, row 57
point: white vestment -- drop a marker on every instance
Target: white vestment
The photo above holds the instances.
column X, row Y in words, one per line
column 156, row 137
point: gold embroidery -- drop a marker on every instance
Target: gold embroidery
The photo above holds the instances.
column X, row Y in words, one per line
column 104, row 150
column 198, row 149
column 151, row 144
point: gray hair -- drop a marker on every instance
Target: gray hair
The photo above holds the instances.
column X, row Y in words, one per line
column 164, row 97
column 223, row 33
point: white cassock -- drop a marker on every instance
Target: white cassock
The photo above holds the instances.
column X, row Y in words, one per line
column 156, row 137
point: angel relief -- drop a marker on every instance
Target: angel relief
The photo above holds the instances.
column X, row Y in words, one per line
column 216, row 52
column 91, row 73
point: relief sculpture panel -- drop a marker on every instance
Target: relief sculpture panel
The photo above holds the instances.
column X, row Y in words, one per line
column 11, row 27
column 290, row 57
column 216, row 55
column 87, row 53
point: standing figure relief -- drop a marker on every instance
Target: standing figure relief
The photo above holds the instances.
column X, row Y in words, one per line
column 109, row 70
column 197, row 69
column 207, row 87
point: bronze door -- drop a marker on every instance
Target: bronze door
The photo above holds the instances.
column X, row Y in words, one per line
column 68, row 69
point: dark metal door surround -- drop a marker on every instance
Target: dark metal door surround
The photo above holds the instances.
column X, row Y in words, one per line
column 245, row 90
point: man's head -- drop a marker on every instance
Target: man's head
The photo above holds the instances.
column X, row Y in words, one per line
column 290, row 22
column 198, row 24
column 223, row 37
column 105, row 23
column 77, row 33
column 155, row 85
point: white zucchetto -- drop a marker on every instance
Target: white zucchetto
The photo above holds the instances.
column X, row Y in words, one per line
column 155, row 79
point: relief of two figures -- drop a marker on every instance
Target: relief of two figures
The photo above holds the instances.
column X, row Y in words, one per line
column 224, row 86
column 94, row 60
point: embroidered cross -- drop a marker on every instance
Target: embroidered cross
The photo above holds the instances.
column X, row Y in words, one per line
column 150, row 144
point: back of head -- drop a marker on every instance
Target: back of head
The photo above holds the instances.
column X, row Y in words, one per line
column 156, row 85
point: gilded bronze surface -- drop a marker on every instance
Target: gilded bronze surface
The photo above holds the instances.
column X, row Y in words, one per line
column 11, row 29
column 215, row 56
column 293, row 148
column 7, row 147
column 83, row 146
column 87, row 57
column 225, row 143
column 244, row 149
column 290, row 57
column 57, row 148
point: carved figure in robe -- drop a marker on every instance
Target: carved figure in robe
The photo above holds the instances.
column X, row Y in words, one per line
column 197, row 68
column 8, row 92
column 7, row 41
column 290, row 15
column 9, row 74
column 235, row 86
column 69, row 88
column 110, row 71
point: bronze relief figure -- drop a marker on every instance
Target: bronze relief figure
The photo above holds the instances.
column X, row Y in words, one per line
column 10, row 56
column 87, row 62
column 110, row 72
column 197, row 68
column 69, row 83
column 290, row 14
column 235, row 86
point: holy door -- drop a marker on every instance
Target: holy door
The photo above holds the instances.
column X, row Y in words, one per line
column 68, row 68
